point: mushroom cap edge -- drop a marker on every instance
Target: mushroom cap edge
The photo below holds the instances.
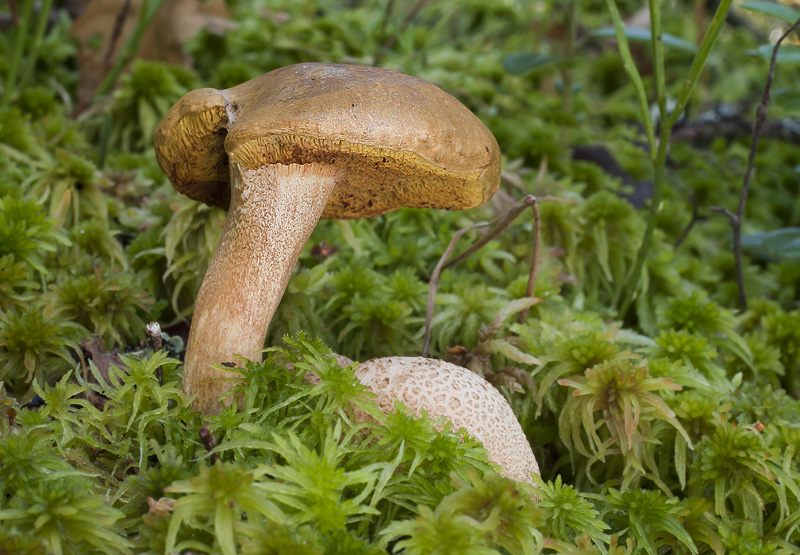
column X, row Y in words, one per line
column 392, row 155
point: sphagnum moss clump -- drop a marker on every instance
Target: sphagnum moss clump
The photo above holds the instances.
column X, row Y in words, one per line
column 627, row 402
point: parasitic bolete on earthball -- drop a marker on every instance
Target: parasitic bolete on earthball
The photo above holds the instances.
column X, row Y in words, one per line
column 296, row 144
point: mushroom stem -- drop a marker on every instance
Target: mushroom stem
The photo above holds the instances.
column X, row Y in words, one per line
column 272, row 213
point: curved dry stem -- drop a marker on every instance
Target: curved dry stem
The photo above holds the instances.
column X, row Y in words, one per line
column 273, row 211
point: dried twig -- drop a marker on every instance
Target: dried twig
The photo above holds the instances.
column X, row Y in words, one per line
column 737, row 218
column 412, row 13
column 154, row 336
column 500, row 223
column 128, row 50
column 434, row 283
column 685, row 234
column 153, row 330
column 116, row 32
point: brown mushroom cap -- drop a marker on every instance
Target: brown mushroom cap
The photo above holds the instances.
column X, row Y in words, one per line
column 400, row 141
column 463, row 397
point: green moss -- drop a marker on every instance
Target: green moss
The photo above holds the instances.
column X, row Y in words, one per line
column 676, row 430
column 36, row 344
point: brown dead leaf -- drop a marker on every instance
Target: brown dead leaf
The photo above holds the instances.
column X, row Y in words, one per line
column 95, row 350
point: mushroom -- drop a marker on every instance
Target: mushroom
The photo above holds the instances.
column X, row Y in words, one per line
column 296, row 144
column 463, row 397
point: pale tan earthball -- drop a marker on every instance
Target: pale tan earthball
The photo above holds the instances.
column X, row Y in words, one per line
column 296, row 144
column 461, row 396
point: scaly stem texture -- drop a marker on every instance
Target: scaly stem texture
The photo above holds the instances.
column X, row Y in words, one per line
column 273, row 211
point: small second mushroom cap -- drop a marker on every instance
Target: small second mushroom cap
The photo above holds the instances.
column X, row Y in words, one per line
column 398, row 140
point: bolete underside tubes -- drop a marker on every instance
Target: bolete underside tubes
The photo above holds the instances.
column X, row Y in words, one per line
column 296, row 144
